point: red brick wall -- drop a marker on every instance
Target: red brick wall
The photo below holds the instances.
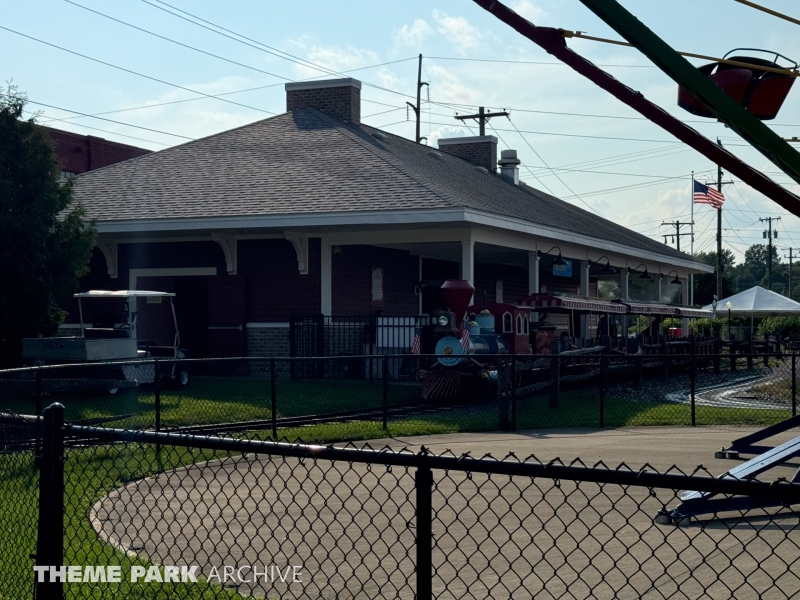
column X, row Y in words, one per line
column 81, row 153
column 340, row 102
column 483, row 154
column 352, row 281
column 275, row 288
column 515, row 282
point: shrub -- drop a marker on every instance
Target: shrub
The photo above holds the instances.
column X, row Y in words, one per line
column 782, row 325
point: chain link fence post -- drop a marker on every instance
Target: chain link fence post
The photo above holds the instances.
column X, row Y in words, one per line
column 693, row 381
column 273, row 396
column 385, row 398
column 157, row 383
column 717, row 352
column 424, row 498
column 513, row 393
column 50, row 535
column 555, row 368
column 794, row 385
column 603, row 383
column 39, row 392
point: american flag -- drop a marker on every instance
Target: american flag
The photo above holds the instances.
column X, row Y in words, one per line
column 465, row 339
column 415, row 345
column 704, row 194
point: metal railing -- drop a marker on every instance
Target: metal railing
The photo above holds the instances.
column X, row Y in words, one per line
column 415, row 394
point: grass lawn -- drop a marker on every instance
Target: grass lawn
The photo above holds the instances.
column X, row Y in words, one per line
column 220, row 400
column 90, row 474
column 580, row 409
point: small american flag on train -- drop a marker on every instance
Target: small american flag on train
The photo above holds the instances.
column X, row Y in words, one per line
column 704, row 194
column 415, row 345
column 465, row 339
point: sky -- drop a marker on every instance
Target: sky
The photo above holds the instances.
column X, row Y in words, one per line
column 574, row 140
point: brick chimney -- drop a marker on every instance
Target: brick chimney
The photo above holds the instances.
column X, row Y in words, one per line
column 480, row 150
column 340, row 98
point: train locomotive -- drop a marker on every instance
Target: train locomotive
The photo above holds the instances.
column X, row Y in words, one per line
column 467, row 344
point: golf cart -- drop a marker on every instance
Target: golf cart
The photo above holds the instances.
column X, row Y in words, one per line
column 109, row 333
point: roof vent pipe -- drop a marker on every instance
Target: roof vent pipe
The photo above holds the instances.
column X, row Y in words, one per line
column 509, row 166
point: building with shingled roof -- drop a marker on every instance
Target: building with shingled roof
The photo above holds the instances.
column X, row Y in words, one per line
column 312, row 213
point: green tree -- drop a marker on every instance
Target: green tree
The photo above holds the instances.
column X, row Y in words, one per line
column 46, row 242
column 705, row 285
column 754, row 268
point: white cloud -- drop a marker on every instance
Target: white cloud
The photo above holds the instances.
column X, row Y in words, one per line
column 334, row 58
column 457, row 30
column 446, row 131
column 528, row 10
column 414, row 34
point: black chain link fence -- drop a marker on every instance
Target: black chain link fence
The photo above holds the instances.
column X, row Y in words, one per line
column 361, row 397
column 249, row 518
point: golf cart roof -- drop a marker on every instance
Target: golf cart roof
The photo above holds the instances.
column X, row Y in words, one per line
column 122, row 294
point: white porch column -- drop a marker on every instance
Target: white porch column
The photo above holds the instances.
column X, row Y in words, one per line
column 685, row 292
column 624, row 294
column 326, row 278
column 623, row 284
column 584, row 291
column 533, row 272
column 419, row 296
column 657, row 286
column 468, row 263
column 584, row 267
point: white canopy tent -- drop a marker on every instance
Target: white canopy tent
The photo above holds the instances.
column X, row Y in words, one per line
column 757, row 302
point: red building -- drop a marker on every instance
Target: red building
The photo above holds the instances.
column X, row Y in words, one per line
column 81, row 153
column 311, row 212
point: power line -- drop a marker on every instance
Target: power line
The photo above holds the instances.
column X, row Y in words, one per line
column 108, row 131
column 573, row 135
column 110, row 120
column 530, row 62
column 108, row 64
column 252, row 89
column 176, row 42
column 261, row 46
column 564, row 183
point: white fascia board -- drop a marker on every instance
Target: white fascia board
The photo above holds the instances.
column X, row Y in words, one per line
column 337, row 219
column 396, row 217
column 519, row 225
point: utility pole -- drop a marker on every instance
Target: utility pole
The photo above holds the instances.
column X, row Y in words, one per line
column 417, row 108
column 720, row 183
column 790, row 257
column 482, row 118
column 719, row 231
column 769, row 235
column 677, row 235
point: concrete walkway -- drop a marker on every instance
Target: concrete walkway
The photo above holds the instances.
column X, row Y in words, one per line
column 352, row 529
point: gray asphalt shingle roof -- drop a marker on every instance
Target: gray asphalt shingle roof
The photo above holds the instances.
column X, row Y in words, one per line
column 309, row 162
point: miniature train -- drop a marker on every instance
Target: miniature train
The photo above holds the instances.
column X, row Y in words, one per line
column 468, row 341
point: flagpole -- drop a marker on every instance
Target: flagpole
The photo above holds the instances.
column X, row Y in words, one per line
column 691, row 275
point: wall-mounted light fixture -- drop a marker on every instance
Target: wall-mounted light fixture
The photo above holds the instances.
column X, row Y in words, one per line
column 645, row 276
column 558, row 261
column 607, row 268
column 675, row 281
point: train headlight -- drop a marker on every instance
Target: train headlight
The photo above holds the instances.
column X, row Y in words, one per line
column 443, row 320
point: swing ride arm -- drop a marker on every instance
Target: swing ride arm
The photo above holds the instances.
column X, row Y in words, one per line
column 552, row 40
